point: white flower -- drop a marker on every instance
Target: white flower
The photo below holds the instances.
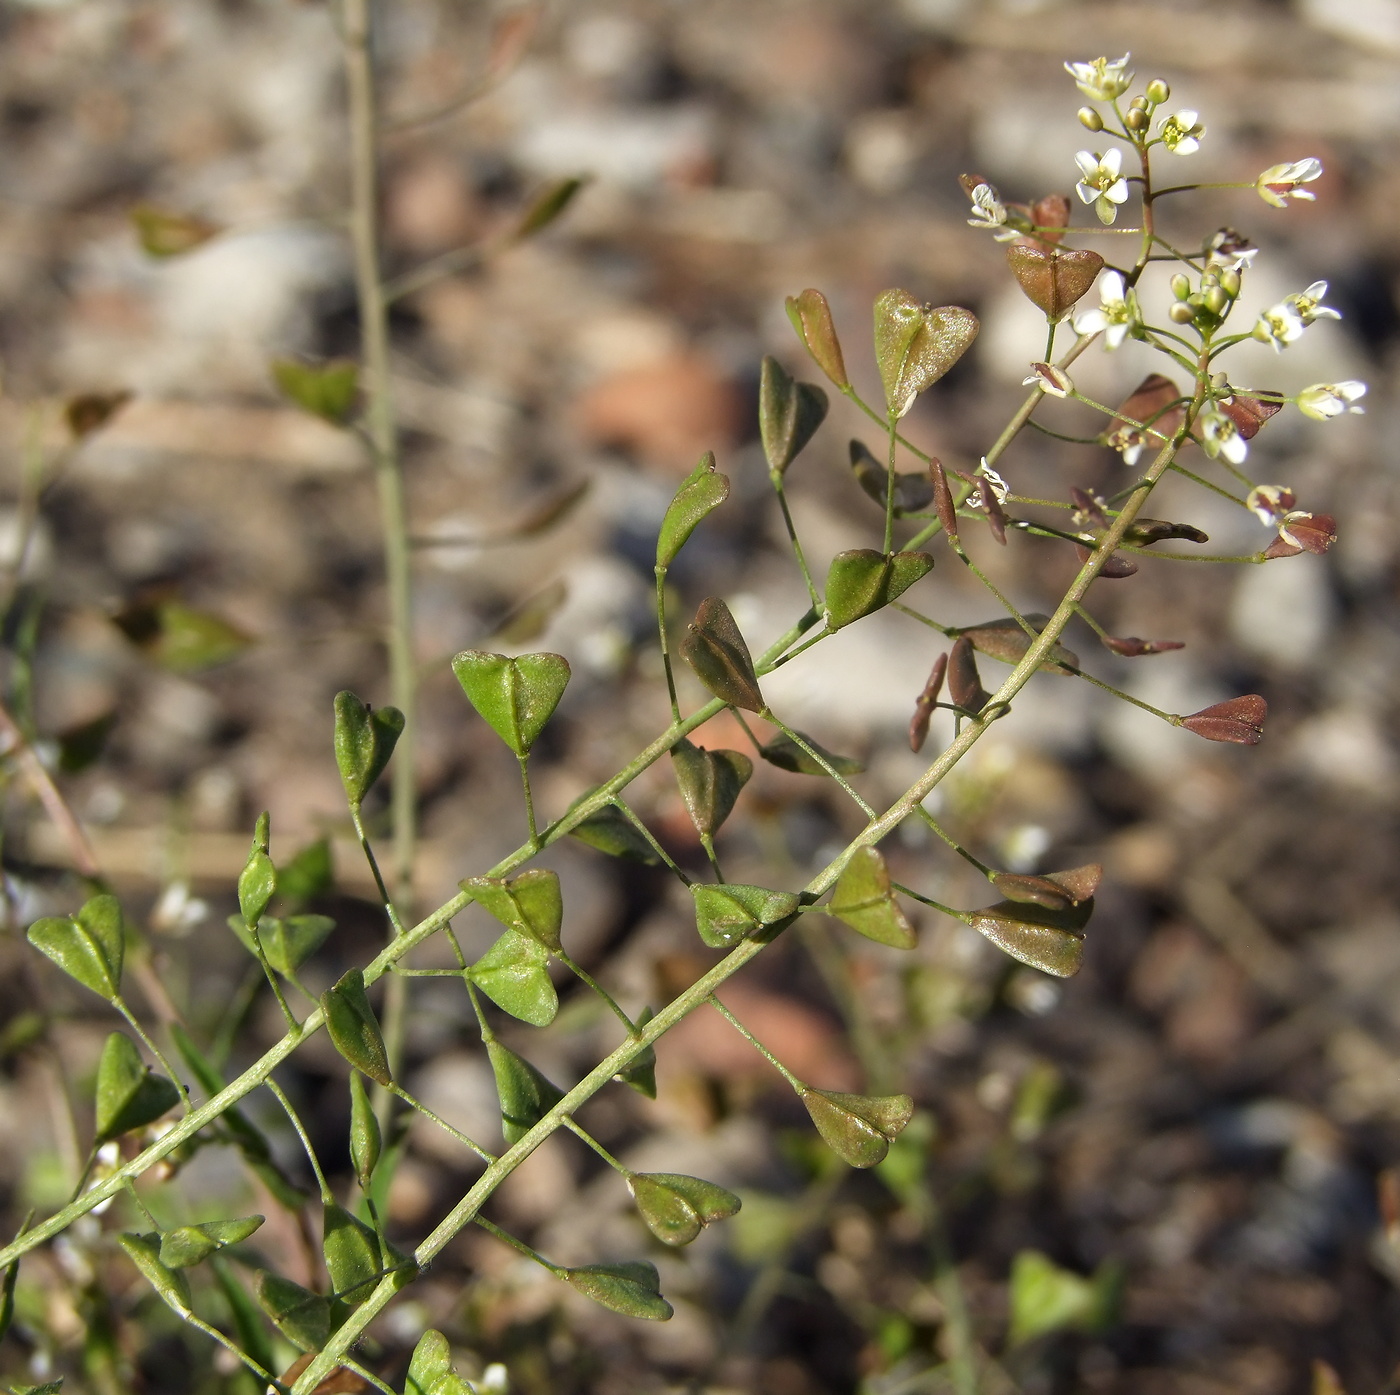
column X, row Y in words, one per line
column 1279, row 183
column 1102, row 183
column 1309, row 306
column 1181, row 132
column 1324, row 400
column 1115, row 315
column 1221, row 437
column 1270, row 502
column 1230, row 251
column 999, row 486
column 989, row 213
column 1129, row 442
column 1285, row 322
column 1101, row 81
column 1049, row 379
column 494, row 1380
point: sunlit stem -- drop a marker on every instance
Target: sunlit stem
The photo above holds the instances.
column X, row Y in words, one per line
column 515, row 1244
column 271, row 976
column 928, row 901
column 529, row 799
column 803, row 744
column 776, row 479
column 385, row 900
column 630, row 814
column 665, row 644
column 120, row 1004
column 322, row 1184
column 889, row 483
column 1127, row 697
column 953, row 843
column 575, row 1128
column 753, row 1041
column 708, row 843
column 442, row 1123
column 582, row 974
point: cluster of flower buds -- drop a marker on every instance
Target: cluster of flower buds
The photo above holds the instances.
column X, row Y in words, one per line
column 1207, row 306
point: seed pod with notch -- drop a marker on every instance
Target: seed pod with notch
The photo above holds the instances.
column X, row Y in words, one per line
column 351, row 1251
column 789, row 414
column 911, row 492
column 702, row 491
column 811, row 318
column 862, row 581
column 677, row 1208
column 89, row 946
column 326, row 390
column 129, row 1094
column 710, row 783
column 188, row 1245
column 916, row 344
column 301, row 1316
column 1007, row 641
column 1054, row 279
column 514, row 974
column 516, row 696
column 859, row 1128
column 1051, row 940
column 526, row 1096
column 714, row 647
column 364, row 741
column 864, row 900
column 632, row 1288
column 354, row 1029
column 1056, row 891
column 730, row 912
column 171, row 1285
column 1239, row 720
column 530, row 903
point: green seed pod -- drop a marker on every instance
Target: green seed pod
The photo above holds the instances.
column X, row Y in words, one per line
column 1181, row 286
column 1158, row 91
column 632, row 1289
column 353, row 1027
column 1181, row 313
column 1136, row 119
column 365, row 1139
column 1090, row 119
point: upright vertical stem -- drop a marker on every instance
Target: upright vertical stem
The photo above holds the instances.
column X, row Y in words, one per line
column 383, row 438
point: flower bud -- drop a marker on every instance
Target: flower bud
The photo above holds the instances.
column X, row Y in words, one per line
column 1230, row 283
column 1090, row 118
column 1181, row 313
column 1216, row 301
column 1158, row 92
column 1136, row 119
column 1138, row 104
column 1181, row 286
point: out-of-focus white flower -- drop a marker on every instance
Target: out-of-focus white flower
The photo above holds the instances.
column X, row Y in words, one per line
column 1279, row 183
column 1181, row 132
column 1220, row 437
column 493, row 1380
column 1270, row 502
column 1101, row 182
column 999, row 486
column 1049, row 379
column 177, row 912
column 1116, row 313
column 1101, row 81
column 1324, row 400
column 989, row 213
column 1283, row 323
column 1230, row 251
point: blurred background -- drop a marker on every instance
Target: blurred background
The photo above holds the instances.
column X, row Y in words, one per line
column 1199, row 1124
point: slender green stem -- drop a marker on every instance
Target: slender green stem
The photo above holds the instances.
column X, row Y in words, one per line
column 577, row 1129
column 708, row 843
column 1127, row 697
column 890, row 483
column 281, row 1098
column 753, row 1041
column 928, row 901
column 1207, row 484
column 953, row 843
column 442, row 1123
column 665, row 643
column 515, row 1244
column 582, row 974
column 833, row 964
column 923, row 619
column 141, row 1205
column 385, row 900
column 270, row 974
column 776, row 479
column 120, row 1004
column 529, row 799
column 803, row 744
column 631, row 816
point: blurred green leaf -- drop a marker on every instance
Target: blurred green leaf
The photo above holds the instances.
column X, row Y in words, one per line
column 916, row 344
column 302, row 1317
column 911, row 492
column 129, row 1095
column 531, row 903
column 364, row 741
column 677, row 1208
column 178, row 637
column 353, row 1027
column 1046, row 1298
column 862, row 581
column 789, row 413
column 702, row 491
column 88, row 946
column 525, row 1095
column 633, row 1289
column 528, row 621
column 728, row 913
column 715, row 649
column 81, row 746
column 249, row 1328
column 710, row 782
column 351, row 1250
column 863, row 899
column 162, row 233
column 326, row 390
column 431, row 1360
column 189, row 1244
column 548, row 205
column 786, row 754
column 515, row 696
column 311, row 873
column 514, row 974
column 860, row 1128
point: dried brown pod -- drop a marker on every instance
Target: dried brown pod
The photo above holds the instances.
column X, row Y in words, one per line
column 1150, row 403
column 1249, row 413
column 923, row 708
column 1313, row 532
column 1143, row 532
column 1240, row 720
column 964, row 682
column 1051, row 216
column 1053, row 280
column 1130, row 647
column 1056, row 891
column 1115, row 569
column 943, row 499
column 90, row 411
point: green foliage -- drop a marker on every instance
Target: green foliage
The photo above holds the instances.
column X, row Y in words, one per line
column 326, row 390
column 517, row 697
column 863, row 899
column 789, row 414
column 179, row 637
column 129, row 1095
column 364, row 741
column 859, row 1128
column 172, row 1286
column 1046, row 1298
column 88, row 946
column 632, row 1289
column 301, row 1316
column 353, row 1027
column 525, row 1095
column 190, row 1244
column 163, row 233
column 351, row 1251
column 530, row 903
column 311, row 873
column 715, row 649
column 610, row 831
column 862, row 581
column 702, row 491
column 548, row 205
column 286, row 943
